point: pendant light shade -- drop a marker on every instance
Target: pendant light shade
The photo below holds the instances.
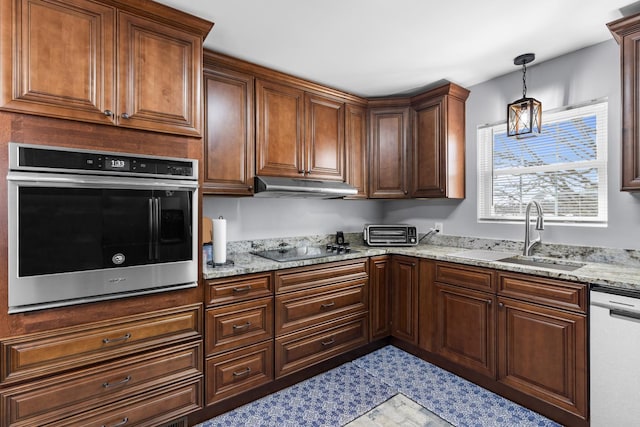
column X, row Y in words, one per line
column 524, row 116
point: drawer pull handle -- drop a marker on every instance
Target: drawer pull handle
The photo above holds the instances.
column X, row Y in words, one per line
column 121, row 423
column 331, row 304
column 326, row 343
column 112, row 340
column 245, row 326
column 246, row 371
column 242, row 289
column 123, row 382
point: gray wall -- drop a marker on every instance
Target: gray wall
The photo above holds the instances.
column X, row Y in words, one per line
column 262, row 218
column 586, row 74
column 574, row 78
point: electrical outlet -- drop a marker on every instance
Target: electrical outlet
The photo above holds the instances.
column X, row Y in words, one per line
column 439, row 228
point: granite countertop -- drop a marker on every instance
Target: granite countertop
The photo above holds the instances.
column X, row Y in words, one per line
column 604, row 274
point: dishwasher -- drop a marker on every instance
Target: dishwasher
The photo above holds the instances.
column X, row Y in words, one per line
column 615, row 358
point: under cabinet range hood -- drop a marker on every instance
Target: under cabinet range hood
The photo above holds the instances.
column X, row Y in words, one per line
column 275, row 186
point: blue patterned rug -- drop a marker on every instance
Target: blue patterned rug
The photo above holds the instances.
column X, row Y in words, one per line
column 339, row 396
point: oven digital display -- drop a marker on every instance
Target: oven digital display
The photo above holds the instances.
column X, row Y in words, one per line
column 120, row 164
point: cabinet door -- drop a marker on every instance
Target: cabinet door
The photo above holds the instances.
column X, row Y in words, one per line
column 404, row 299
column 429, row 156
column 279, row 120
column 324, row 137
column 389, row 168
column 59, row 60
column 465, row 327
column 229, row 132
column 357, row 160
column 542, row 352
column 159, row 79
column 379, row 297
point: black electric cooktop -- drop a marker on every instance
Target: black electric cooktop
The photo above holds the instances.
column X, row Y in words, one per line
column 285, row 254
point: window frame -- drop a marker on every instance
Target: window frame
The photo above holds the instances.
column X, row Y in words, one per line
column 485, row 163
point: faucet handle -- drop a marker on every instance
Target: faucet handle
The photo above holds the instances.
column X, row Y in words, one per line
column 540, row 223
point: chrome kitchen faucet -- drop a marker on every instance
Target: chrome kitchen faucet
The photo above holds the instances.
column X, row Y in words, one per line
column 528, row 243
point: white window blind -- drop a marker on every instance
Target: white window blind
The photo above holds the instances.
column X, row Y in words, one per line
column 564, row 168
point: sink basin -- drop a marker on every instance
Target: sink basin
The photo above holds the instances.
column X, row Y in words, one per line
column 553, row 264
column 511, row 258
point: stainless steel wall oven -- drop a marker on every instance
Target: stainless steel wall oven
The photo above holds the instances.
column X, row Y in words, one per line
column 88, row 226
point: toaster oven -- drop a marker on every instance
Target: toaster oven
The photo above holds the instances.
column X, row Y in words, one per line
column 390, row 235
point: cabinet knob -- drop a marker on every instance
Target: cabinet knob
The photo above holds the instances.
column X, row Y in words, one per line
column 250, row 188
column 308, row 172
column 406, row 192
column 301, row 171
column 501, row 304
column 108, row 113
column 124, row 116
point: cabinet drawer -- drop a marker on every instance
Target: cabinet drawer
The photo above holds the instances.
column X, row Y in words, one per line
column 554, row 293
column 300, row 309
column 39, row 403
column 54, row 351
column 239, row 325
column 313, row 345
column 224, row 291
column 238, row 371
column 308, row 277
column 146, row 410
column 468, row 277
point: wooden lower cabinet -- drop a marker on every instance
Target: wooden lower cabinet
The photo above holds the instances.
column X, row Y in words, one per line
column 525, row 335
column 543, row 352
column 238, row 335
column 379, row 297
column 146, row 368
column 235, row 372
column 404, row 298
column 321, row 312
column 465, row 327
column 307, row 347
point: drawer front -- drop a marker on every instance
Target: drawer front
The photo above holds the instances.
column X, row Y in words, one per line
column 310, row 346
column 58, row 350
column 232, row 373
column 39, row 403
column 554, row 293
column 238, row 325
column 301, row 309
column 324, row 274
column 468, row 277
column 224, row 291
column 147, row 410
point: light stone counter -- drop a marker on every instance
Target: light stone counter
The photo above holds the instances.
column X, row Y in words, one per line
column 612, row 268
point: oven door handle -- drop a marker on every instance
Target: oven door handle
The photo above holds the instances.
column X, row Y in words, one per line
column 156, row 205
column 151, row 228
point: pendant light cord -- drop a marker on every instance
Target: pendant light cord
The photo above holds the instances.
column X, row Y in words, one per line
column 524, row 80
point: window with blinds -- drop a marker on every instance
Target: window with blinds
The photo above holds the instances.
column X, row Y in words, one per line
column 564, row 168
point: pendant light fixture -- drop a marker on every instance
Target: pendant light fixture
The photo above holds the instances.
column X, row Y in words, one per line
column 524, row 116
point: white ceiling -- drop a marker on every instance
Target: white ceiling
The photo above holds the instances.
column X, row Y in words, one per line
column 385, row 47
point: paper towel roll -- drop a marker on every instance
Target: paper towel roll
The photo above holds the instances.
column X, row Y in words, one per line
column 219, row 241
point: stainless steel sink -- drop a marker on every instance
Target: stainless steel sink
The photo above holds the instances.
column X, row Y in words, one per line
column 511, row 258
column 554, row 264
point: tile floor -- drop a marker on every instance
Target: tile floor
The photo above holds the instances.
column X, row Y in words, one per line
column 388, row 387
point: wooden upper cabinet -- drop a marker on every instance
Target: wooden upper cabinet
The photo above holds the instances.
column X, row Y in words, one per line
column 229, row 132
column 58, row 58
column 279, row 135
column 389, row 156
column 438, row 143
column 357, row 159
column 159, row 77
column 626, row 31
column 89, row 61
column 324, row 137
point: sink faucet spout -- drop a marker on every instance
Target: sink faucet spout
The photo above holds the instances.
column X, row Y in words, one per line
column 528, row 243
